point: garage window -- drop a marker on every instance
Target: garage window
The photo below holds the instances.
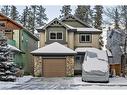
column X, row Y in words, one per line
column 56, row 35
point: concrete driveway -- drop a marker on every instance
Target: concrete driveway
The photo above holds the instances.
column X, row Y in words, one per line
column 69, row 83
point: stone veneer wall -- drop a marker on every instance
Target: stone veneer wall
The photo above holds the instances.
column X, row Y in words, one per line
column 37, row 66
column 70, row 66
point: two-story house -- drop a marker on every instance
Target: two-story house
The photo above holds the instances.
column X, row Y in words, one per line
column 72, row 33
column 22, row 39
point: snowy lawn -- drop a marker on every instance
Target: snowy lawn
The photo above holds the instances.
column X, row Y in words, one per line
column 19, row 80
column 41, row 83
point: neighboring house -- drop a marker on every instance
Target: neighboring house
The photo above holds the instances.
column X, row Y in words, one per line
column 15, row 53
column 72, row 33
column 115, row 40
column 22, row 39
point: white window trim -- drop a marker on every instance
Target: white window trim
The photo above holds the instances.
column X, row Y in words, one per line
column 56, row 35
column 85, row 37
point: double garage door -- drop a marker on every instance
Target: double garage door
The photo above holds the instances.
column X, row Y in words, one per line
column 53, row 67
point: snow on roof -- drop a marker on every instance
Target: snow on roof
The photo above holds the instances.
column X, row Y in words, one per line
column 54, row 48
column 101, row 54
column 13, row 48
column 122, row 49
column 71, row 27
column 83, row 29
column 93, row 64
column 88, row 29
column 86, row 49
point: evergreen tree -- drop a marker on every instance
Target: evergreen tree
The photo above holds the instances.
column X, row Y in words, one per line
column 98, row 16
column 30, row 21
column 116, row 19
column 98, row 21
column 66, row 9
column 27, row 19
column 41, row 16
column 84, row 13
column 7, row 68
column 34, row 12
column 114, row 14
column 14, row 14
column 5, row 10
column 24, row 16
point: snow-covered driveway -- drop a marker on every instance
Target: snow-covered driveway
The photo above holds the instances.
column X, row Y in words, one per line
column 67, row 83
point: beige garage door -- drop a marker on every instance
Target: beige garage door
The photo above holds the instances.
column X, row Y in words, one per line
column 54, row 67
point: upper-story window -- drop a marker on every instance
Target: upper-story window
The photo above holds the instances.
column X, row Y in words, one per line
column 56, row 35
column 2, row 24
column 85, row 38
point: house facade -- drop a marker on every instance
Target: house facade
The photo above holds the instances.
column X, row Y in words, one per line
column 115, row 44
column 22, row 39
column 72, row 33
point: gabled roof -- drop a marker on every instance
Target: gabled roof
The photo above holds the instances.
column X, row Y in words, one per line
column 52, row 22
column 54, row 49
column 89, row 29
column 19, row 25
column 86, row 24
column 11, row 20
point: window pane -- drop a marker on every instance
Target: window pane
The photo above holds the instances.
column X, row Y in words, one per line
column 2, row 24
column 87, row 38
column 59, row 35
column 83, row 38
column 52, row 35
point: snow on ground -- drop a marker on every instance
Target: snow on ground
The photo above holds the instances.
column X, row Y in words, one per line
column 114, row 83
column 19, row 80
column 38, row 83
